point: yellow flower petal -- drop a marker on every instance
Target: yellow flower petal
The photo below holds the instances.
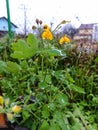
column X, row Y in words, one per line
column 10, row 116
column 16, row 109
column 1, row 100
column 47, row 35
column 64, row 39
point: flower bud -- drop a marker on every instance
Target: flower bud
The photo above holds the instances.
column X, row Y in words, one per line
column 64, row 21
column 37, row 21
column 33, row 27
column 40, row 21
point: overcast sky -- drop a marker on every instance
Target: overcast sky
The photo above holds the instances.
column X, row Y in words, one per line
column 84, row 11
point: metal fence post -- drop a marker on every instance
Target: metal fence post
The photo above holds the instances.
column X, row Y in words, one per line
column 8, row 15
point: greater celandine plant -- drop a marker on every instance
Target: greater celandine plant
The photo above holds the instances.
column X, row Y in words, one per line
column 41, row 84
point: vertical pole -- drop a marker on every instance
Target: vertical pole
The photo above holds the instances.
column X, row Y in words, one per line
column 8, row 15
column 25, row 21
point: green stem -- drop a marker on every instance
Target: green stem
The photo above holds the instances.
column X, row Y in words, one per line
column 42, row 65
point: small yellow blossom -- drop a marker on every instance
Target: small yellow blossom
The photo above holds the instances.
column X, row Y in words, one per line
column 64, row 39
column 47, row 35
column 1, row 100
column 10, row 116
column 16, row 109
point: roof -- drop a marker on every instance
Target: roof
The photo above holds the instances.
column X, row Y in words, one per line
column 86, row 26
column 82, row 34
column 7, row 20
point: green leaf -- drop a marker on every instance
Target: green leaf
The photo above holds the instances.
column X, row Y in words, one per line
column 54, row 126
column 76, row 88
column 25, row 115
column 33, row 79
column 43, row 85
column 68, row 76
column 18, row 55
column 13, row 67
column 96, row 60
column 44, row 125
column 45, row 111
column 59, row 74
column 52, row 106
column 32, row 41
column 21, row 50
column 2, row 66
column 20, row 45
column 48, row 79
column 62, row 124
column 76, row 126
column 55, row 52
column 34, row 125
column 95, row 100
column 24, row 64
column 59, row 119
column 62, row 99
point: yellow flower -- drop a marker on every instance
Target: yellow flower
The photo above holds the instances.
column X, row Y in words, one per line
column 1, row 100
column 10, row 116
column 47, row 35
column 16, row 109
column 64, row 39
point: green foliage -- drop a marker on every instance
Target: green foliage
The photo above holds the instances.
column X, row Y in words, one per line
column 22, row 50
column 55, row 89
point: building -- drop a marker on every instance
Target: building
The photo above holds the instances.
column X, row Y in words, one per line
column 4, row 26
column 87, row 32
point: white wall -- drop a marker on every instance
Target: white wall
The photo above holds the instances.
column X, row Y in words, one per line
column 95, row 33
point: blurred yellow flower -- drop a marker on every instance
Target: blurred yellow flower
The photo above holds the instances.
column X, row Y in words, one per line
column 64, row 39
column 1, row 100
column 47, row 35
column 16, row 109
column 10, row 116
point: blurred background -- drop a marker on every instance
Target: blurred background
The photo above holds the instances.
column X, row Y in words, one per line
column 24, row 12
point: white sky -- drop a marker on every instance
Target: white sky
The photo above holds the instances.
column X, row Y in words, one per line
column 51, row 11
